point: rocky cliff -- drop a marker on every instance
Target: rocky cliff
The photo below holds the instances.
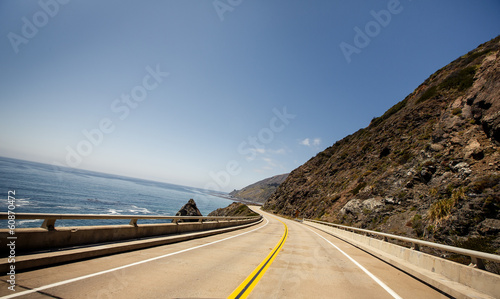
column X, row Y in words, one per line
column 261, row 191
column 234, row 209
column 428, row 168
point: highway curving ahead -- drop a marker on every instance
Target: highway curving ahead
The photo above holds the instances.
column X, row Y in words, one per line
column 277, row 258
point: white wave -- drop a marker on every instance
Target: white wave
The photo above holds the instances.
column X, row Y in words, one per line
column 21, row 222
column 113, row 212
column 17, row 202
column 136, row 209
column 68, row 208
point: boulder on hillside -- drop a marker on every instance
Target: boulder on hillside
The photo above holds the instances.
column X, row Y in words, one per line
column 189, row 209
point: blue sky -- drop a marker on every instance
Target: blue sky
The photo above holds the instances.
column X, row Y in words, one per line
column 215, row 94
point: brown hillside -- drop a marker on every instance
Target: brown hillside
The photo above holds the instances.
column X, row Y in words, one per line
column 429, row 167
column 261, row 191
column 234, row 209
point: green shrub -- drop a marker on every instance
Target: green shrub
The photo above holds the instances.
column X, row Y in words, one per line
column 417, row 224
column 360, row 186
column 460, row 80
column 391, row 111
column 458, row 194
column 405, row 157
column 457, row 111
column 472, row 56
column 441, row 209
column 430, row 229
column 431, row 92
column 480, row 243
column 490, row 205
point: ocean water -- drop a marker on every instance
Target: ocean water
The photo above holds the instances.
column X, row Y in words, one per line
column 42, row 188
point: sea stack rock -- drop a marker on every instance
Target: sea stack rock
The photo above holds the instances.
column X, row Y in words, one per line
column 189, row 209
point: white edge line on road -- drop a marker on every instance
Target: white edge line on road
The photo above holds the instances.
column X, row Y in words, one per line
column 383, row 285
column 126, row 266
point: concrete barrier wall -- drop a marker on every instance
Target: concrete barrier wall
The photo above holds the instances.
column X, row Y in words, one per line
column 444, row 274
column 35, row 239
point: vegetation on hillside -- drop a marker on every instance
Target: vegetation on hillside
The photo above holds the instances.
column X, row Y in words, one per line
column 429, row 167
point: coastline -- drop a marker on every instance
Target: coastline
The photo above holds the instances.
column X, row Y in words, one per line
column 236, row 199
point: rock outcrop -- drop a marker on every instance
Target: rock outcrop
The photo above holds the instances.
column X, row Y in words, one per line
column 234, row 209
column 189, row 209
column 428, row 168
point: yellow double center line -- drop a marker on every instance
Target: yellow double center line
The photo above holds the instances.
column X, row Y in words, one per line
column 246, row 287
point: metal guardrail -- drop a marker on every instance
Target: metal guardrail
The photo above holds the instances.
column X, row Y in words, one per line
column 477, row 257
column 49, row 220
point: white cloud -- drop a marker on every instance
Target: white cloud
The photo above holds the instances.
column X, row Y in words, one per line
column 264, row 151
column 305, row 142
column 308, row 142
column 256, row 151
column 260, row 150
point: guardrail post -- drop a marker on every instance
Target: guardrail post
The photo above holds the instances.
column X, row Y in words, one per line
column 477, row 262
column 415, row 246
column 133, row 222
column 49, row 223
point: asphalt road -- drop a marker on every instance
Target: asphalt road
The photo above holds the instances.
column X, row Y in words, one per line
column 309, row 264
